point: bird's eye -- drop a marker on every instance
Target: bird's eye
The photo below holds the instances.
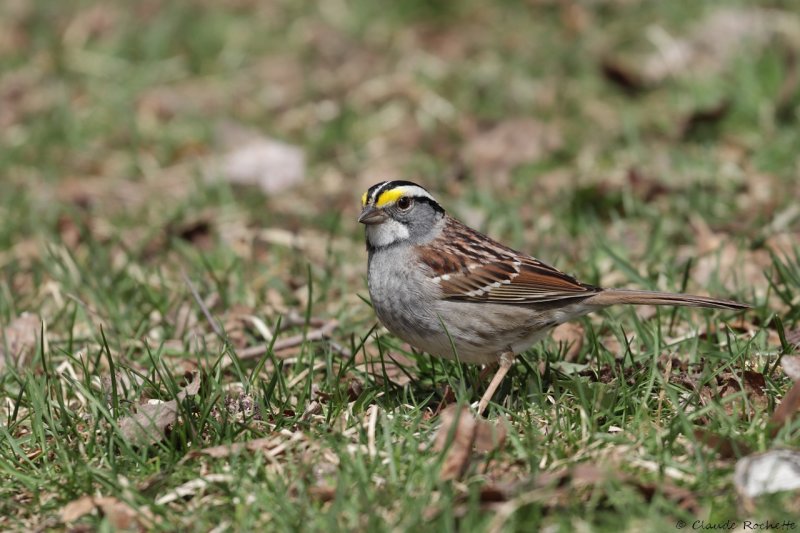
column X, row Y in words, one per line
column 404, row 203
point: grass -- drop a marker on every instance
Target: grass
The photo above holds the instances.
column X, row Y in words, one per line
column 108, row 116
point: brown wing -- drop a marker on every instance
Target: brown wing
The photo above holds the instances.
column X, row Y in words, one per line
column 469, row 266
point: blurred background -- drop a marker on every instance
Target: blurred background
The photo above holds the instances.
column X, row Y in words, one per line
column 134, row 135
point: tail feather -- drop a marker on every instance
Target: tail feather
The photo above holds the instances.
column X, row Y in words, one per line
column 636, row 297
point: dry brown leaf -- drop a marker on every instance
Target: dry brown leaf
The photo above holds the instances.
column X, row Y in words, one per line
column 192, row 386
column 18, row 339
column 192, row 487
column 611, row 343
column 726, row 447
column 793, row 338
column 149, row 424
column 791, row 366
column 584, row 480
column 491, row 436
column 322, row 493
column 580, row 475
column 624, row 75
column 645, row 186
column 571, row 334
column 788, row 90
column 120, row 515
column 225, row 450
column 253, row 159
column 494, row 153
column 126, row 382
column 69, row 230
column 77, row 508
column 197, row 229
column 95, row 22
column 457, row 457
column 727, row 384
column 786, row 410
column 707, row 49
column 702, row 118
column 469, row 433
column 683, row 497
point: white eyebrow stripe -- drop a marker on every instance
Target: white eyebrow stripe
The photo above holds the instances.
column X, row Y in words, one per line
column 377, row 191
column 407, row 190
column 416, row 191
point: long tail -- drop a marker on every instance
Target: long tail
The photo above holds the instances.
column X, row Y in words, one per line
column 637, row 297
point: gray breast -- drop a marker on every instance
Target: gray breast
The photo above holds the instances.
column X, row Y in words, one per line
column 404, row 298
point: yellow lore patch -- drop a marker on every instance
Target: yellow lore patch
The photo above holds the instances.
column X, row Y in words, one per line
column 390, row 196
column 364, row 199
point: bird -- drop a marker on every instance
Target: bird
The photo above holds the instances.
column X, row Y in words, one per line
column 453, row 292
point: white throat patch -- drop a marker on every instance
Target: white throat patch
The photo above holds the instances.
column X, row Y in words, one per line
column 386, row 233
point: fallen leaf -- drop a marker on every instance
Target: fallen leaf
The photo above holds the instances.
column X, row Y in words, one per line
column 77, row 508
column 557, row 488
column 322, row 493
column 18, row 339
column 126, row 384
column 491, row 436
column 726, row 447
column 192, row 386
column 683, row 497
column 119, row 514
column 623, row 75
column 786, row 410
column 766, row 473
column 312, row 409
column 710, row 46
column 751, row 382
column 702, row 118
column 192, row 487
column 253, row 159
column 354, row 389
column 509, row 144
column 467, row 433
column 457, row 457
column 793, row 338
column 644, row 186
column 225, row 450
column 150, row 422
column 571, row 335
column 787, row 93
column 791, row 365
column 197, row 229
column 95, row 22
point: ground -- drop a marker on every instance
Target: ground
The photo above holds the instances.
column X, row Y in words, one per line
column 187, row 341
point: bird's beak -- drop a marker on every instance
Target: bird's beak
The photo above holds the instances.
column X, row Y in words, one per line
column 371, row 215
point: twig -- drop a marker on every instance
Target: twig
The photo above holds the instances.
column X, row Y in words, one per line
column 290, row 342
column 204, row 308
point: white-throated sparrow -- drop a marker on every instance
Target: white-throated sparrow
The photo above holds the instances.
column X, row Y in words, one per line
column 453, row 292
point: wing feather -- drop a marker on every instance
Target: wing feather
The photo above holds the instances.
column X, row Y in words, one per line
column 469, row 266
column 532, row 282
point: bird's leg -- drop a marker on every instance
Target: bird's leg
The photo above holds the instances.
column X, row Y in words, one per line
column 504, row 364
column 449, row 396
